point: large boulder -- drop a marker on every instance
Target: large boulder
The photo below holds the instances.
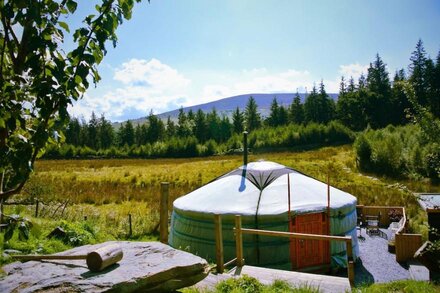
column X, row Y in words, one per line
column 145, row 267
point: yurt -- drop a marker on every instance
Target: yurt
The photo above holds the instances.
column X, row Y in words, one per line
column 261, row 192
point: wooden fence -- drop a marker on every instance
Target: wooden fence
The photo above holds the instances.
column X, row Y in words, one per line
column 381, row 211
column 239, row 231
column 406, row 245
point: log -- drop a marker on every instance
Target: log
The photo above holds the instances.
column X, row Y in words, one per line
column 96, row 260
column 104, row 257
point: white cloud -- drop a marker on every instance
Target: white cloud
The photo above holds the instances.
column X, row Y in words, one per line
column 151, row 73
column 139, row 86
column 146, row 85
column 259, row 80
column 353, row 70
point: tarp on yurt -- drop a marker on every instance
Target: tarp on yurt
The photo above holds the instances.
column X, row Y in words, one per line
column 258, row 192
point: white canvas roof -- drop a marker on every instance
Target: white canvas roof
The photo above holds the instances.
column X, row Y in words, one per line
column 238, row 192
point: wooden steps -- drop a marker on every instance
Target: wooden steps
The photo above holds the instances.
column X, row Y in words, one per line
column 323, row 282
column 417, row 271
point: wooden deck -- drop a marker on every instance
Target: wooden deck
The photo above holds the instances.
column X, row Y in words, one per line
column 268, row 276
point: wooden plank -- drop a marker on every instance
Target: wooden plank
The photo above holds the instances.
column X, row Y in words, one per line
column 324, row 283
column 406, row 245
column 219, row 243
column 294, row 235
column 384, row 220
column 164, row 212
column 239, row 241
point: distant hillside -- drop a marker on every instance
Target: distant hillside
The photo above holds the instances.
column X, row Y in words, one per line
column 227, row 105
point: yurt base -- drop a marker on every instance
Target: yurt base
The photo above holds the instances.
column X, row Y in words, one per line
column 320, row 269
column 268, row 276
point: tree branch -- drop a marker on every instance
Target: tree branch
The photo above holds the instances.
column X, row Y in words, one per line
column 92, row 30
column 12, row 33
column 6, row 194
column 7, row 41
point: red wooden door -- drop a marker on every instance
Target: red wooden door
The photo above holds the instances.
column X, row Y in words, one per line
column 309, row 253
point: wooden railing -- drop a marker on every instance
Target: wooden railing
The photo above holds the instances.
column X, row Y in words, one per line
column 381, row 211
column 406, row 245
column 402, row 223
column 239, row 231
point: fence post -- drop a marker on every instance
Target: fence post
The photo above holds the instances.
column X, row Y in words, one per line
column 164, row 212
column 219, row 243
column 130, row 230
column 1, row 213
column 37, row 203
column 350, row 262
column 239, row 241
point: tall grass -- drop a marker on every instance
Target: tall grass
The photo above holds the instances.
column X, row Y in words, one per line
column 102, row 193
column 399, row 152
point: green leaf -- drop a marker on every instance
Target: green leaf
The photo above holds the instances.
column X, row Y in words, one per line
column 9, row 232
column 64, row 25
column 78, row 79
column 71, row 5
column 23, row 231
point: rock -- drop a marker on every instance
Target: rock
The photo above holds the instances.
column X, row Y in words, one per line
column 58, row 232
column 145, row 267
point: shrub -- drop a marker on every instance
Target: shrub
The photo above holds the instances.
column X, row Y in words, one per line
column 397, row 151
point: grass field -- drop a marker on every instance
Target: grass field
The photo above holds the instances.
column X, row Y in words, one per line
column 96, row 196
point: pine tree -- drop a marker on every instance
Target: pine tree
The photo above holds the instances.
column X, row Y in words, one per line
column 106, row 133
column 362, row 83
column 328, row 104
column 73, row 132
column 225, row 129
column 190, row 115
column 138, row 135
column 342, row 87
column 378, row 106
column 200, row 126
column 318, row 107
column 126, row 134
column 252, row 117
column 296, row 111
column 312, row 107
column 283, row 116
column 399, row 101
column 237, row 121
column 183, row 125
column 351, row 85
column 170, row 128
column 92, row 132
column 156, row 128
column 213, row 124
column 273, row 119
column 83, row 133
column 432, row 96
column 417, row 73
column 349, row 110
column 435, row 99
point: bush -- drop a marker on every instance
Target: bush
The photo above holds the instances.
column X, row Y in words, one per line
column 397, row 151
column 244, row 284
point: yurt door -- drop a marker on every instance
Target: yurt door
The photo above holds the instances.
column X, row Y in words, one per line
column 311, row 253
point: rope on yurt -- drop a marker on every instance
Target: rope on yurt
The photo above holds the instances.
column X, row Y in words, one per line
column 328, row 214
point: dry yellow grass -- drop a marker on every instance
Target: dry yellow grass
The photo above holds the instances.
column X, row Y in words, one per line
column 110, row 189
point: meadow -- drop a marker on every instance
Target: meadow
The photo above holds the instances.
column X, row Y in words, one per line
column 93, row 198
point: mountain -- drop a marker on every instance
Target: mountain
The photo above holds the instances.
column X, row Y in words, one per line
column 227, row 105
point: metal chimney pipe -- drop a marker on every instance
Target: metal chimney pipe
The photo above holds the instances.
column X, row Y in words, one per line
column 245, row 148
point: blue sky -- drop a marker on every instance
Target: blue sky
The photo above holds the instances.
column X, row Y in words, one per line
column 182, row 53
